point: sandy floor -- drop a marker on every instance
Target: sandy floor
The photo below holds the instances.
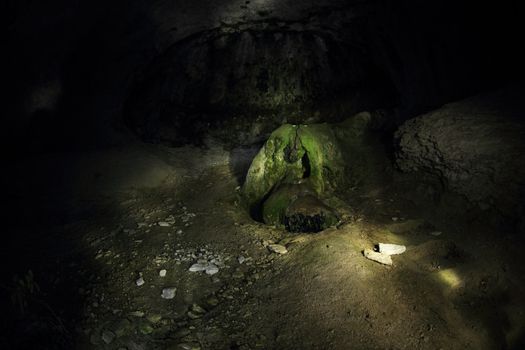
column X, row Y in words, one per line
column 98, row 222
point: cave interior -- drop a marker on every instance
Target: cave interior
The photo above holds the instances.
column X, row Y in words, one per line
column 230, row 174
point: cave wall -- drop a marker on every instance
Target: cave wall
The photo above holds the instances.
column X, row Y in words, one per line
column 474, row 148
column 72, row 66
column 275, row 71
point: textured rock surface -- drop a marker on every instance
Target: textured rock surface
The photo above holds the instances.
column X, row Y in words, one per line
column 278, row 70
column 301, row 170
column 476, row 147
column 96, row 62
column 323, row 156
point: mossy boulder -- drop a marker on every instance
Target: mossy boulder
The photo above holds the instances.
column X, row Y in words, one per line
column 318, row 159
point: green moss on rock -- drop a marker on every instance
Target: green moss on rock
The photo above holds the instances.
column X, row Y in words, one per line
column 319, row 159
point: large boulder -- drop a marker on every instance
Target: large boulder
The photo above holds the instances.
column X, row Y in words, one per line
column 301, row 162
column 475, row 147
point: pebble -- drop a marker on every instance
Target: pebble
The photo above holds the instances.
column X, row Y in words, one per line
column 164, row 224
column 211, row 269
column 154, row 318
column 277, row 248
column 212, row 301
column 241, row 259
column 146, row 329
column 108, row 336
column 193, row 315
column 436, row 233
column 391, row 249
column 197, row 267
column 140, row 282
column 162, row 273
column 196, row 308
column 168, row 293
column 377, row 257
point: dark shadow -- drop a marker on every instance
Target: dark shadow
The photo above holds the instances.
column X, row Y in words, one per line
column 240, row 160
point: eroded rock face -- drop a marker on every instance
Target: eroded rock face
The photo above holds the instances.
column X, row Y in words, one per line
column 476, row 147
column 223, row 78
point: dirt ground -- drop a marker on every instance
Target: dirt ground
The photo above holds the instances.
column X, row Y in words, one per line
column 90, row 226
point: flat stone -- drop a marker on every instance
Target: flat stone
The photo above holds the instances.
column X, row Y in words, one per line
column 164, row 224
column 139, row 282
column 193, row 315
column 198, row 309
column 212, row 301
column 146, row 329
column 168, row 293
column 211, row 269
column 391, row 249
column 277, row 248
column 197, row 267
column 377, row 257
column 154, row 318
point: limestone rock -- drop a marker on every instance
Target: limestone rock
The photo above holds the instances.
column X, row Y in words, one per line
column 391, row 249
column 277, row 248
column 476, row 147
column 168, row 293
column 377, row 257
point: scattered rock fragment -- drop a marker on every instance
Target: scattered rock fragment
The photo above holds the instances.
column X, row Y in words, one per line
column 211, row 269
column 162, row 273
column 140, row 281
column 391, row 249
column 164, row 224
column 154, row 318
column 436, row 233
column 197, row 267
column 212, row 301
column 277, row 248
column 377, row 257
column 108, row 336
column 168, row 293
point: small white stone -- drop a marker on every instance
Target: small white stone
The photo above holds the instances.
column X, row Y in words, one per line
column 395, row 218
column 162, row 273
column 164, row 224
column 391, row 249
column 211, row 269
column 277, row 248
column 140, row 282
column 377, row 257
column 168, row 293
column 197, row 267
column 241, row 259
